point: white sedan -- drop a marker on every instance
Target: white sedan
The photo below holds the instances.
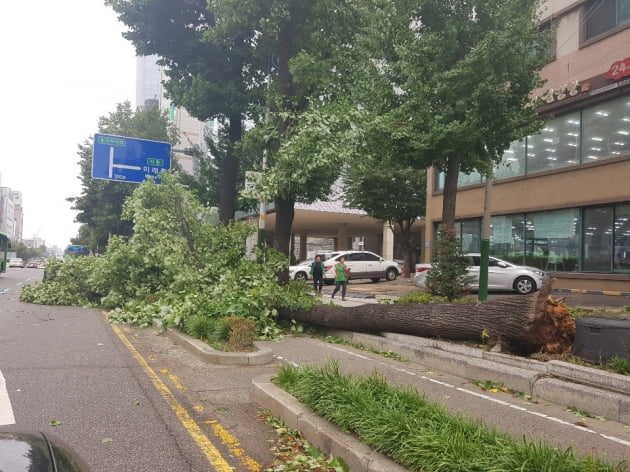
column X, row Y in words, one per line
column 502, row 275
column 362, row 265
column 301, row 271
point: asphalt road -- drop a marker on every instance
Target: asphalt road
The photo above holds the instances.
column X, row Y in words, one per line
column 129, row 399
column 125, row 399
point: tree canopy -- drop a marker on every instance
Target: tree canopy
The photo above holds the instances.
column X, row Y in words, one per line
column 460, row 76
column 210, row 77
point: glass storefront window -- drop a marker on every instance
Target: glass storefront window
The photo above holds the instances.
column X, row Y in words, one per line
column 507, row 238
column 621, row 261
column 598, row 132
column 513, row 162
column 470, row 232
column 553, row 240
column 598, row 247
column 556, row 146
column 606, row 130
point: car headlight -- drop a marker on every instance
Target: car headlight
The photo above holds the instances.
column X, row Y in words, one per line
column 539, row 272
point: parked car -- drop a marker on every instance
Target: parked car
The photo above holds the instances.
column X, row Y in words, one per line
column 16, row 262
column 502, row 275
column 30, row 450
column 300, row 271
column 362, row 265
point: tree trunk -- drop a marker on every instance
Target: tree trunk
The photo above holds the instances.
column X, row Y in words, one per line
column 229, row 173
column 285, row 213
column 521, row 324
column 405, row 245
column 450, row 190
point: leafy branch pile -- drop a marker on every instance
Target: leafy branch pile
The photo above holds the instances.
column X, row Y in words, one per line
column 176, row 266
column 418, row 434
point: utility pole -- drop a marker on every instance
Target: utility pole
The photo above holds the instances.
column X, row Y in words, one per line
column 482, row 294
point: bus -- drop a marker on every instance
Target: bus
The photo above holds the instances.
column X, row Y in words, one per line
column 4, row 247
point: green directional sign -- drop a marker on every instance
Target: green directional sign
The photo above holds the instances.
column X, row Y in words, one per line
column 155, row 162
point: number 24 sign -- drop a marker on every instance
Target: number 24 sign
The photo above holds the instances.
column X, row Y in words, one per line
column 619, row 69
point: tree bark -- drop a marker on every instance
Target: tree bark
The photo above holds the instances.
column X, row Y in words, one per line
column 522, row 324
column 229, row 173
column 450, row 189
column 405, row 245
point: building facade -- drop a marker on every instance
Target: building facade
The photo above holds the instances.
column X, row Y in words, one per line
column 11, row 213
column 150, row 92
column 560, row 199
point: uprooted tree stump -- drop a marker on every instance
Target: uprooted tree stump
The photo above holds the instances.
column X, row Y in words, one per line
column 521, row 324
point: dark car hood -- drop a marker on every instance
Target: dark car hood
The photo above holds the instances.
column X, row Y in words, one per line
column 32, row 451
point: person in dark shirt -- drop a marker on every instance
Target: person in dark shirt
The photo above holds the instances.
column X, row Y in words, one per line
column 317, row 271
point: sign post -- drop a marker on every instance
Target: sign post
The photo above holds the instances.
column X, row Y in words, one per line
column 129, row 159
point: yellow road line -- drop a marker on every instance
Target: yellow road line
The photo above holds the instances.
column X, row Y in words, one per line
column 173, row 378
column 196, row 433
column 234, row 446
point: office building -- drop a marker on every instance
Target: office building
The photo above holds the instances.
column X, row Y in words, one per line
column 150, row 92
column 561, row 197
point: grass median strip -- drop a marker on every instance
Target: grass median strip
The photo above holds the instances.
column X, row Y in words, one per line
column 420, row 435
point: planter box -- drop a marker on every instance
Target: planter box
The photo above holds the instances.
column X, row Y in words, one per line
column 600, row 339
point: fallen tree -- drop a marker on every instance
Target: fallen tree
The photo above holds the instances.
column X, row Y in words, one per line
column 521, row 324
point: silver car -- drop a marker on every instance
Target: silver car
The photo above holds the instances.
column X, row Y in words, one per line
column 502, row 275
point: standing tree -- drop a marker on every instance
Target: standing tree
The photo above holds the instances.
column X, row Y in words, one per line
column 306, row 43
column 390, row 192
column 211, row 77
column 101, row 201
column 463, row 72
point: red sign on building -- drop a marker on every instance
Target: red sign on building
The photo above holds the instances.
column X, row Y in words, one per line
column 619, row 69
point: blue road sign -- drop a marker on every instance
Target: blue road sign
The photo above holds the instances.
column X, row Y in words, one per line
column 129, row 159
column 76, row 249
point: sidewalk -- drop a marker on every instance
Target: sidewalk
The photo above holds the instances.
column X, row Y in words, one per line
column 558, row 383
column 361, row 289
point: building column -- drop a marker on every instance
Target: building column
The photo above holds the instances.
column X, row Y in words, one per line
column 342, row 237
column 387, row 251
column 303, row 254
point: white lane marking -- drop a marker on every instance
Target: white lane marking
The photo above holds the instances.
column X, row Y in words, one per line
column 481, row 396
column 6, row 410
column 4, row 290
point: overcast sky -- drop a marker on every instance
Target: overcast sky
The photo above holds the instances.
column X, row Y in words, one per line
column 64, row 64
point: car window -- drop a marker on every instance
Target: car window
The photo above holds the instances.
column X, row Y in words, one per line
column 354, row 257
column 367, row 256
column 475, row 261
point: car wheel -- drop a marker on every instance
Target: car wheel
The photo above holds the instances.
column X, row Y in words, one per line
column 524, row 285
column 301, row 276
column 391, row 274
column 375, row 279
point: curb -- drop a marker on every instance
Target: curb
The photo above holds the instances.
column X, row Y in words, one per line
column 592, row 292
column 596, row 391
column 318, row 431
column 263, row 355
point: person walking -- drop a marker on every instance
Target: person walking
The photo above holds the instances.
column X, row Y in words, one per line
column 342, row 274
column 317, row 271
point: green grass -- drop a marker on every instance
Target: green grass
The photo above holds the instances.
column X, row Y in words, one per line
column 618, row 366
column 421, row 435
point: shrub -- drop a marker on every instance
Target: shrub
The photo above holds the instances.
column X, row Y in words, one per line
column 448, row 275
